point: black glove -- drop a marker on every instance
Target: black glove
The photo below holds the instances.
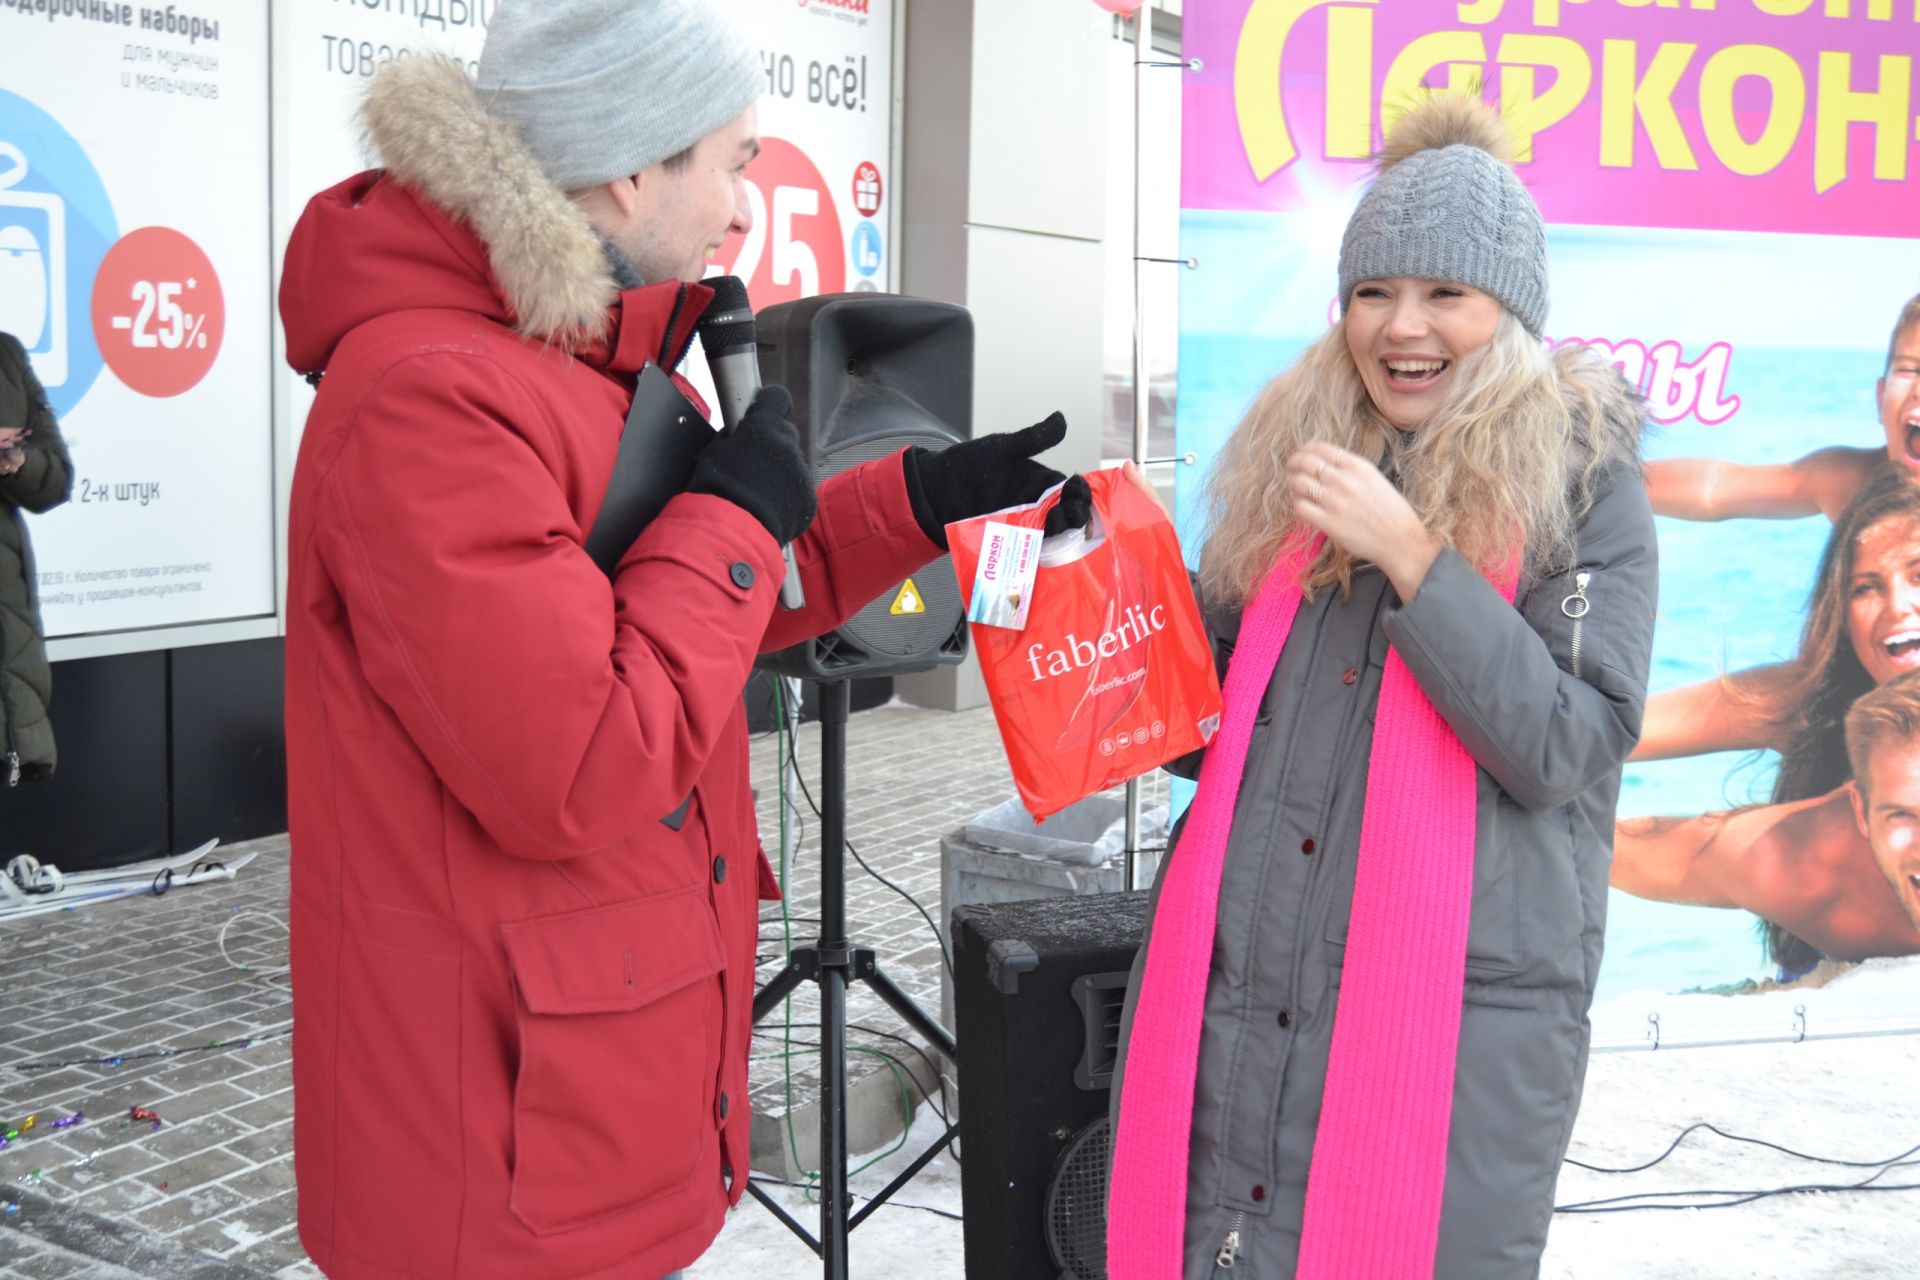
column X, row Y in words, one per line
column 992, row 472
column 759, row 468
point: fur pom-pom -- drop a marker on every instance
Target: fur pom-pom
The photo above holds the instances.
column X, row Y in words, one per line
column 1443, row 120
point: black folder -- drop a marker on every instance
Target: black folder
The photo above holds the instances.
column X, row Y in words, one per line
column 658, row 448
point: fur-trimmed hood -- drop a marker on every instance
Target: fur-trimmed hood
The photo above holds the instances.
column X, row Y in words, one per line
column 461, row 216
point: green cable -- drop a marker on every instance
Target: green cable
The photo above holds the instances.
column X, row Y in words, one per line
column 811, row 1177
column 899, row 1079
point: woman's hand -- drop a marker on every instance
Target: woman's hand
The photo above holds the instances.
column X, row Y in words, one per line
column 1347, row 498
column 12, row 456
column 1132, row 471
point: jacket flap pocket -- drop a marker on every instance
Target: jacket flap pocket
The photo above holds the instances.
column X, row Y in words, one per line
column 614, row 958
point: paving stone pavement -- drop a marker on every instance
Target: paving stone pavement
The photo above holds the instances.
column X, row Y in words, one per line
column 138, row 1007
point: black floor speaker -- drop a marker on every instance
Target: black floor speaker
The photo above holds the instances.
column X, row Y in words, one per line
column 1038, row 988
column 870, row 373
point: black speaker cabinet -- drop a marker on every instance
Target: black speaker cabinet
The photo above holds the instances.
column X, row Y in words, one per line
column 870, row 373
column 1037, row 993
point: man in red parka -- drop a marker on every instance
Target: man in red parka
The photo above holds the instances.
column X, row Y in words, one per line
column 525, row 863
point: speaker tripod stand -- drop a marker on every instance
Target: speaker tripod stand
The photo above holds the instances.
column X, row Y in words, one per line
column 835, row 964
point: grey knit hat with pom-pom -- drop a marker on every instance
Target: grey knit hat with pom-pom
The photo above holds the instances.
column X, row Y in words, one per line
column 1448, row 206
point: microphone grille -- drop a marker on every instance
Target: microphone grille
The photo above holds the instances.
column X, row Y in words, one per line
column 727, row 323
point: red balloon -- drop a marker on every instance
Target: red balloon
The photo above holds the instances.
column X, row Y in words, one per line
column 1125, row 8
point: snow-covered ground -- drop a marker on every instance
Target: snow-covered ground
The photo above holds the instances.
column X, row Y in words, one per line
column 1848, row 1099
column 1853, row 1099
column 898, row 1243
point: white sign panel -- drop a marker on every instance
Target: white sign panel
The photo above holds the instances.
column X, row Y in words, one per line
column 134, row 268
column 820, row 190
column 327, row 52
column 822, row 185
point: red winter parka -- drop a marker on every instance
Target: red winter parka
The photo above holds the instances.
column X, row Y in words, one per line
column 521, row 999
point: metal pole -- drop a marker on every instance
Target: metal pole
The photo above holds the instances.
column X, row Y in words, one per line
column 1142, row 388
column 835, row 698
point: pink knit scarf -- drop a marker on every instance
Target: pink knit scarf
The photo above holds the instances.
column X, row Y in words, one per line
column 1380, row 1156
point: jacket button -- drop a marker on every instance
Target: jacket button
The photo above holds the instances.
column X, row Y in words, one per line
column 1259, row 1194
column 1286, row 1019
column 1307, row 846
column 720, row 870
column 742, row 574
column 1349, row 676
column 723, row 1106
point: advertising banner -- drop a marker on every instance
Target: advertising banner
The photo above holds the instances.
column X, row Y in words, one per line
column 140, row 228
column 822, row 187
column 1728, row 190
column 819, row 191
column 134, row 269
column 327, row 51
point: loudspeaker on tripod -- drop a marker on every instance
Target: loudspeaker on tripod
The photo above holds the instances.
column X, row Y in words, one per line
column 1038, row 988
column 871, row 373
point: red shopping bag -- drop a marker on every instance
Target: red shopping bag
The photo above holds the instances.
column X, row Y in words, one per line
column 1094, row 655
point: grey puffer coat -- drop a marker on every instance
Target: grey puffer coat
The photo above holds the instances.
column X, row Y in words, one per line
column 1548, row 706
column 43, row 483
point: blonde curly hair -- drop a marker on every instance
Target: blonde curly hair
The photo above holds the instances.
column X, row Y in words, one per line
column 1488, row 474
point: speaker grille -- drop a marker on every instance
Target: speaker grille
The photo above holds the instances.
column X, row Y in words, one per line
column 876, row 629
column 1077, row 1204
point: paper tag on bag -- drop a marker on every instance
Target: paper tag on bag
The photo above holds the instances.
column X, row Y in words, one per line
column 1003, row 581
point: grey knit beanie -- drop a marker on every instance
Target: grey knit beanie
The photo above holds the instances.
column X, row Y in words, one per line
column 601, row 89
column 1447, row 206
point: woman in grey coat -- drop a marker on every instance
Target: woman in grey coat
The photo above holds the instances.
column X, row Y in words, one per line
column 35, row 476
column 1383, row 1063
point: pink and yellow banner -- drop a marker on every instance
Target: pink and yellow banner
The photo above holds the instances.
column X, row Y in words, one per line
column 1730, row 198
column 1751, row 115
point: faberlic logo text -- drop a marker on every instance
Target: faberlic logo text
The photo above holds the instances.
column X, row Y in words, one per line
column 1134, row 628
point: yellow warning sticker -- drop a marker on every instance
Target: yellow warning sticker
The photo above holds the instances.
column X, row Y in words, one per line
column 908, row 601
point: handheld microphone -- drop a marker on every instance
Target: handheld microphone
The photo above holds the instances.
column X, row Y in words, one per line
column 726, row 333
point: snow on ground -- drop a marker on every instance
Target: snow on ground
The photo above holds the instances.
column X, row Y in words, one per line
column 1854, row 1099
column 895, row 1243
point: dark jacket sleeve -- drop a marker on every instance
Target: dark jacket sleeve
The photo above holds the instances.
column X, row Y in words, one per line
column 46, row 480
column 1504, row 677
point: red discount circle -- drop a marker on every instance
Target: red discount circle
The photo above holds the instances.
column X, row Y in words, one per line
column 867, row 189
column 158, row 313
column 794, row 248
